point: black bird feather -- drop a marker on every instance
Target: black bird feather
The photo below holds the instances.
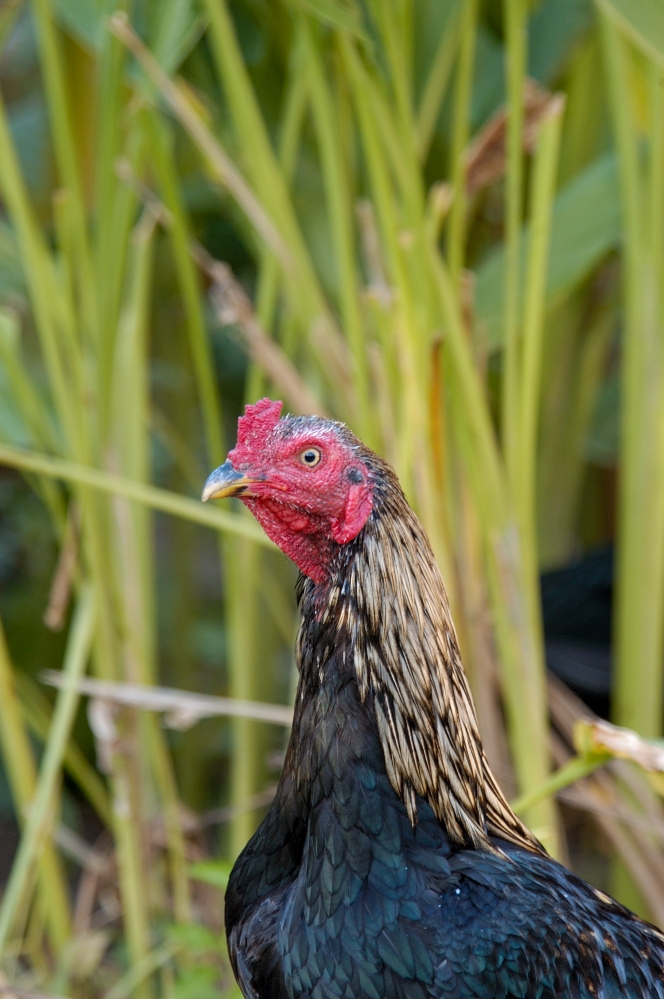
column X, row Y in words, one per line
column 389, row 864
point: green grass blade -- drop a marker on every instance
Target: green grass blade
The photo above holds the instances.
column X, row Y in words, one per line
column 639, row 678
column 38, row 716
column 456, row 232
column 63, row 141
column 40, row 278
column 160, row 146
column 543, row 188
column 642, row 21
column 340, row 215
column 440, row 72
column 585, row 227
column 218, row 159
column 151, row 496
column 21, row 771
column 514, row 13
column 576, row 769
column 42, row 810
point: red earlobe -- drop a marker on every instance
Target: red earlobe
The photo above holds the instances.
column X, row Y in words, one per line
column 356, row 514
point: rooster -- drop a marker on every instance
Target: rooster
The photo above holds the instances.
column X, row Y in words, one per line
column 389, row 863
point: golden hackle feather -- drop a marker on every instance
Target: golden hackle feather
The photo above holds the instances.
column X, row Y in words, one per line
column 406, row 659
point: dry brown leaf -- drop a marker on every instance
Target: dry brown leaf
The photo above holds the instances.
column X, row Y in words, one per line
column 599, row 736
column 485, row 156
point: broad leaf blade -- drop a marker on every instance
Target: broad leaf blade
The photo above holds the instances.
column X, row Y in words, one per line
column 179, row 27
column 555, row 28
column 586, row 226
column 84, row 19
column 642, row 21
column 341, row 14
column 175, row 26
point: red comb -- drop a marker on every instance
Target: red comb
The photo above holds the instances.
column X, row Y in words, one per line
column 254, row 427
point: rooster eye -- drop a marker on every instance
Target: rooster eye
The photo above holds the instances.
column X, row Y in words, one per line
column 310, row 457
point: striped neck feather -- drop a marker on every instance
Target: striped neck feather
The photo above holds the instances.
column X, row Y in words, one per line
column 389, row 598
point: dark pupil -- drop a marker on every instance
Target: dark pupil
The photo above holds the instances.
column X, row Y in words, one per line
column 310, row 457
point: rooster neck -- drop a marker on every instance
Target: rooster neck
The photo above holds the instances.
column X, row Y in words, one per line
column 381, row 624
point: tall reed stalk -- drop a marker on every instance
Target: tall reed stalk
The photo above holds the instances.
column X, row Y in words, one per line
column 639, row 681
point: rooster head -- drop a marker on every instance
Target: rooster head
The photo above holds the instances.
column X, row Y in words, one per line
column 308, row 481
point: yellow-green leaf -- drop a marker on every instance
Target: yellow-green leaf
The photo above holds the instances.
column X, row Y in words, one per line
column 642, row 21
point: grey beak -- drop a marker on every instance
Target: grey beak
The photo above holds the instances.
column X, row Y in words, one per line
column 225, row 481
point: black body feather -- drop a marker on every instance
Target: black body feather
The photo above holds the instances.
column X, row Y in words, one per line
column 361, row 882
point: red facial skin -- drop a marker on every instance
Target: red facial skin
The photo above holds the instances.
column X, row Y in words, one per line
column 308, row 512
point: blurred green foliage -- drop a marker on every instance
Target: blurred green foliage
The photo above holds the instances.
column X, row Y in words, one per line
column 427, row 243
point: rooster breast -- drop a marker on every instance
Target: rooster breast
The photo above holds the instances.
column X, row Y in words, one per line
column 339, row 895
